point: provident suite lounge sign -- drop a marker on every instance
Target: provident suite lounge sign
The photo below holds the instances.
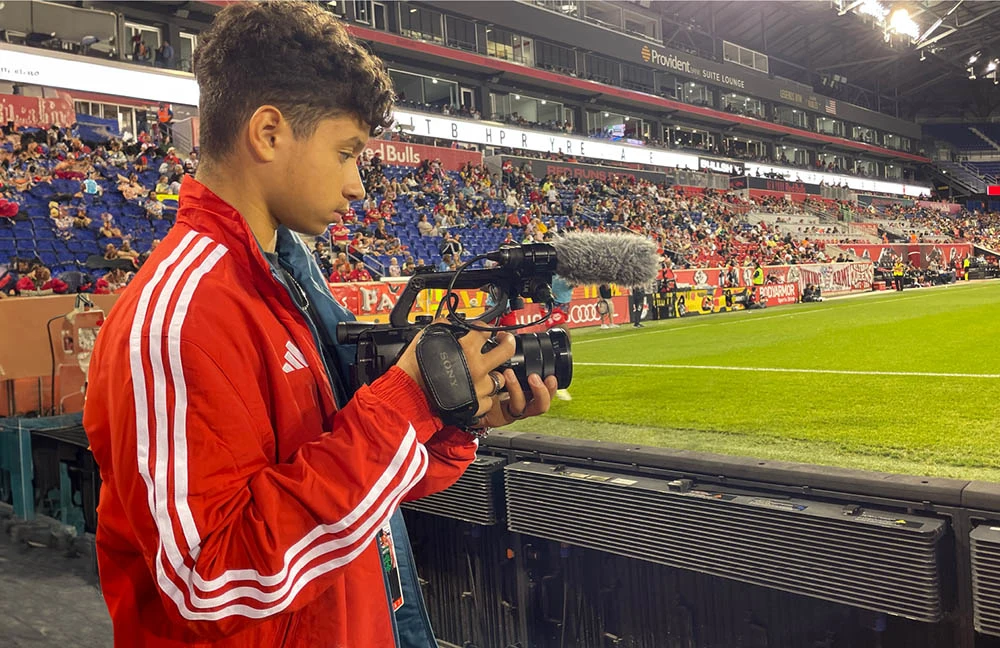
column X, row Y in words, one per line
column 690, row 68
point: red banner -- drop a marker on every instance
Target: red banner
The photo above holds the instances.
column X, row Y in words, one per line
column 579, row 313
column 920, row 254
column 411, row 155
column 945, row 207
column 37, row 112
column 372, row 302
column 713, row 276
column 778, row 294
column 833, row 278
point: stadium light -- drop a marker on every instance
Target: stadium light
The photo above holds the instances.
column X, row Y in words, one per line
column 873, row 8
column 973, row 58
column 901, row 23
column 992, row 66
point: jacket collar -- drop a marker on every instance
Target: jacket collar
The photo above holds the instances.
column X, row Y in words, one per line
column 203, row 211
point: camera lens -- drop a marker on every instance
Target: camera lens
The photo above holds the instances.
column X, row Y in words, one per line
column 545, row 354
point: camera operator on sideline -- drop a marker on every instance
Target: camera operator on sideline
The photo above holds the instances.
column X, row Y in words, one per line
column 245, row 497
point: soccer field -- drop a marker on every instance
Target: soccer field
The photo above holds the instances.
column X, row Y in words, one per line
column 899, row 382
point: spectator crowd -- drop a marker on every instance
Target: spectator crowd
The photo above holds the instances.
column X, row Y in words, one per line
column 109, row 203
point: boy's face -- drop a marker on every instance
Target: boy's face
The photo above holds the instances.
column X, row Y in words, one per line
column 317, row 176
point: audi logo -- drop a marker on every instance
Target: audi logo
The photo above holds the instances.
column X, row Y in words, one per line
column 584, row 313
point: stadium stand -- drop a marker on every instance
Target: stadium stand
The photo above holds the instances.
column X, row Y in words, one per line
column 991, row 169
column 97, row 233
column 958, row 135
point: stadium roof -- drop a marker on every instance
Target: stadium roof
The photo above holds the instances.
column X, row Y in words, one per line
column 810, row 41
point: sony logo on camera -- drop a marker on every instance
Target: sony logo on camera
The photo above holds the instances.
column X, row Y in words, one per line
column 449, row 368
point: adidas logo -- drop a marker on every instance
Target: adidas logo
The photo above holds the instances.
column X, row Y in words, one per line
column 294, row 360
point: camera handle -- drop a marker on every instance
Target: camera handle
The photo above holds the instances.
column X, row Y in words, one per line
column 507, row 283
column 446, row 375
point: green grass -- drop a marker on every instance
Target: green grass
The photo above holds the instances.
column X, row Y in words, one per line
column 941, row 426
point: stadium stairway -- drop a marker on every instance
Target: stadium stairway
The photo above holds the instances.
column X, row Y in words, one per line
column 959, row 177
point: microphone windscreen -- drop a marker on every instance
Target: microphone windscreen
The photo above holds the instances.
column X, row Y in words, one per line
column 626, row 259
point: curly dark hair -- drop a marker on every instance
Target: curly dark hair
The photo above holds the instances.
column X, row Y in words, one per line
column 289, row 54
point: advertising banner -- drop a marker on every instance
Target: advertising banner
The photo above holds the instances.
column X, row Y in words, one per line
column 776, row 186
column 406, row 154
column 541, row 168
column 710, row 300
column 497, row 134
column 833, row 278
column 884, row 201
column 944, row 207
column 732, row 77
column 579, row 313
column 374, row 301
column 778, row 294
column 37, row 112
column 713, row 277
column 920, row 254
column 730, row 167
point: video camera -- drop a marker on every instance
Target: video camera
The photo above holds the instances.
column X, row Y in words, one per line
column 523, row 272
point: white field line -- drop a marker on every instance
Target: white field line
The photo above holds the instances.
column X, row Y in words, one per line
column 839, row 372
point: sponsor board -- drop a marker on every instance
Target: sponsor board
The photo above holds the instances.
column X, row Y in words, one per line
column 884, row 201
column 920, row 254
column 729, row 167
column 704, row 301
column 944, row 207
column 37, row 112
column 579, row 313
column 833, row 278
column 778, row 294
column 497, row 134
column 406, row 154
column 775, row 186
column 374, row 301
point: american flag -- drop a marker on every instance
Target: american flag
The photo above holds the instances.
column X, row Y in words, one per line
column 831, row 107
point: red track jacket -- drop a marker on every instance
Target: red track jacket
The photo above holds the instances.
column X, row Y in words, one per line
column 238, row 507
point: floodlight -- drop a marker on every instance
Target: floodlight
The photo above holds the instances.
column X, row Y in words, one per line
column 901, row 23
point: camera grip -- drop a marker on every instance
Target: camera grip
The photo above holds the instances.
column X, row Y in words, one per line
column 446, row 375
